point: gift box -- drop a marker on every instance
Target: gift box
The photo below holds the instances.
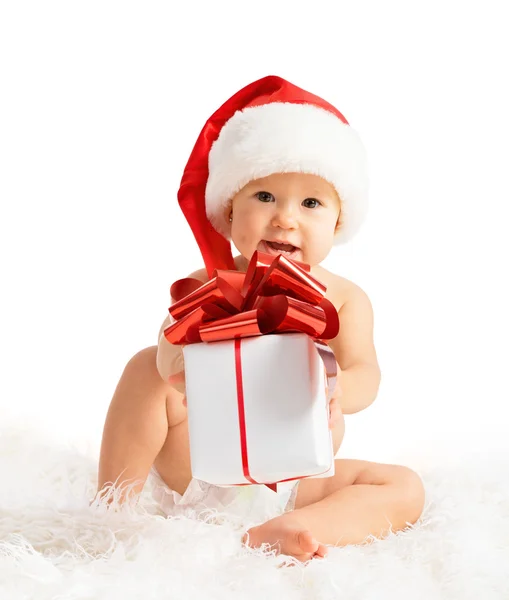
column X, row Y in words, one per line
column 259, row 375
column 258, row 410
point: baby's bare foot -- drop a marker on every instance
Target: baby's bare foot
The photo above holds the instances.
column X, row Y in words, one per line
column 287, row 536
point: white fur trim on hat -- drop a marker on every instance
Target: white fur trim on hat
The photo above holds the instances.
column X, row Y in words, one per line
column 283, row 137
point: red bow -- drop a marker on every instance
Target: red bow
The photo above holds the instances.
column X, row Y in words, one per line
column 275, row 295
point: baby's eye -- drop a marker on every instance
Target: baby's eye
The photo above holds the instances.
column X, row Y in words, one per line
column 316, row 202
column 265, row 196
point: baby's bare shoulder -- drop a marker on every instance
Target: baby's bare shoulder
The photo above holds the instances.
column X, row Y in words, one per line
column 354, row 344
column 339, row 289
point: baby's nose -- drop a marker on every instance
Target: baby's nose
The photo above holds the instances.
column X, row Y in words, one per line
column 284, row 217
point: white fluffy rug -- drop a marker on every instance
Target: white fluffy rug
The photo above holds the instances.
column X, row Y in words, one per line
column 53, row 545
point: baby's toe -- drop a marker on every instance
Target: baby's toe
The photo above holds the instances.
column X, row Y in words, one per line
column 307, row 542
column 321, row 552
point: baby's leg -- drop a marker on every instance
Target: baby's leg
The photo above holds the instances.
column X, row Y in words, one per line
column 361, row 502
column 146, row 417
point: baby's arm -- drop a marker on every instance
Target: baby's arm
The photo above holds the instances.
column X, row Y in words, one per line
column 355, row 352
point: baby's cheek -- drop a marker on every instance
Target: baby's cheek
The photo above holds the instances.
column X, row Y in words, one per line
column 243, row 240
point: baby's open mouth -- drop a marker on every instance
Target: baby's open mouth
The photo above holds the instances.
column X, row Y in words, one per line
column 279, row 248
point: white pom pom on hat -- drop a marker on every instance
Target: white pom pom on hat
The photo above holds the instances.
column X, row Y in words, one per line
column 270, row 126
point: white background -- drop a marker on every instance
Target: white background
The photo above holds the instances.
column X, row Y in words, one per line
column 101, row 104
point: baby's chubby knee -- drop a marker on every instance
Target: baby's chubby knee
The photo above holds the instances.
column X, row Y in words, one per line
column 141, row 370
column 143, row 361
column 412, row 492
column 152, row 362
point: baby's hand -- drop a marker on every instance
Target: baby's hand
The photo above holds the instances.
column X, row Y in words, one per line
column 178, row 381
column 335, row 412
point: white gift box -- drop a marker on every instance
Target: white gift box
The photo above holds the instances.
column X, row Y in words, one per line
column 279, row 385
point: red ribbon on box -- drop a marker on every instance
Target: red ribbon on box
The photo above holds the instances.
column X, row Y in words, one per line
column 275, row 296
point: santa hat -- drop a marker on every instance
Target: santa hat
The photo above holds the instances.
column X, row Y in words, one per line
column 269, row 126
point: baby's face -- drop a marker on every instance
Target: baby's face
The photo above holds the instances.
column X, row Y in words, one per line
column 299, row 209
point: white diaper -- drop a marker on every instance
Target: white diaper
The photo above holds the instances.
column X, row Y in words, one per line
column 244, row 505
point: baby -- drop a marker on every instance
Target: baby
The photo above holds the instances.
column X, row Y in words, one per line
column 278, row 170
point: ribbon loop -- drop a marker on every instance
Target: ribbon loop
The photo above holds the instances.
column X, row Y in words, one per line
column 275, row 295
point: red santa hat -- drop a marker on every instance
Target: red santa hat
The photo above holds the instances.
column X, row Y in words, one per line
column 269, row 126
